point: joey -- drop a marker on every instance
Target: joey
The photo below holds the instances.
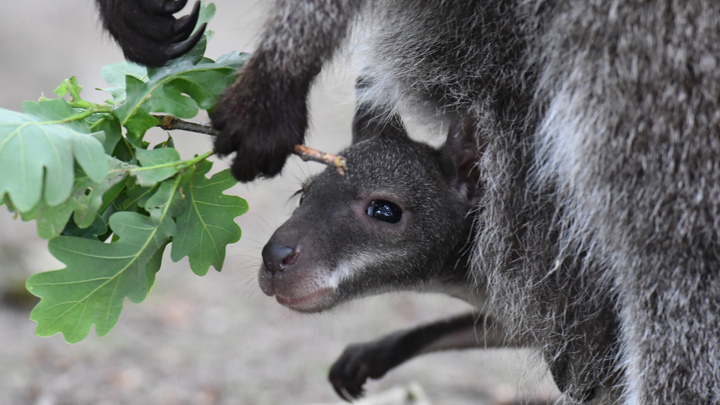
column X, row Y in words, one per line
column 398, row 220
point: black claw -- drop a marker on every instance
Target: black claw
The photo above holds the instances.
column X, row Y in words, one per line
column 358, row 392
column 351, row 393
column 339, row 391
column 181, row 48
column 184, row 26
column 348, row 392
column 173, row 6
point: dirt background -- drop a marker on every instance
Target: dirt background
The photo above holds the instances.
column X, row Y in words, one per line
column 216, row 339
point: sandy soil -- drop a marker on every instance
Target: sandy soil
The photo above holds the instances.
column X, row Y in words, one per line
column 217, row 339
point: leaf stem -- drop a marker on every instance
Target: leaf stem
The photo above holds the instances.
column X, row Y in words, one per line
column 90, row 109
column 166, row 209
column 80, row 103
column 197, row 159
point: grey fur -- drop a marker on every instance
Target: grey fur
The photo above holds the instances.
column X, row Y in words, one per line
column 601, row 173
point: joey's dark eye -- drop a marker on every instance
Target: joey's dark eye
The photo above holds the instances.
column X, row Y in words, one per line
column 300, row 193
column 385, row 211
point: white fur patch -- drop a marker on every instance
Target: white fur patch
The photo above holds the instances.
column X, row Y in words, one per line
column 560, row 141
column 633, row 382
column 349, row 268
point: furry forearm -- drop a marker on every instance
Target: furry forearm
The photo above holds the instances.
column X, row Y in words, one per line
column 322, row 27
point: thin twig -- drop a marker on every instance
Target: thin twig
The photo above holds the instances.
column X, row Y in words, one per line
column 315, row 155
column 168, row 122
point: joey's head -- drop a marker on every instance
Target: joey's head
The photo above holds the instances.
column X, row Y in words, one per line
column 397, row 220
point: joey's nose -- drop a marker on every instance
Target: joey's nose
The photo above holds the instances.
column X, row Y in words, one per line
column 277, row 257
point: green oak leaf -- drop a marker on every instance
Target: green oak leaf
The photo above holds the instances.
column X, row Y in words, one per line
column 91, row 289
column 206, row 225
column 207, row 12
column 69, row 86
column 166, row 193
column 110, row 126
column 38, row 151
column 115, row 75
column 134, row 197
column 86, row 201
column 91, row 196
column 179, row 89
column 98, row 230
column 157, row 165
column 50, row 221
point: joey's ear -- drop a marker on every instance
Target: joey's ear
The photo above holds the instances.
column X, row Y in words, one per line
column 460, row 155
column 370, row 121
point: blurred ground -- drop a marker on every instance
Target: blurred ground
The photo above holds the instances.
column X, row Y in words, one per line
column 217, row 339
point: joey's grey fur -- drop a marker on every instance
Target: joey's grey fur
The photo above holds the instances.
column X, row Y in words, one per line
column 600, row 175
